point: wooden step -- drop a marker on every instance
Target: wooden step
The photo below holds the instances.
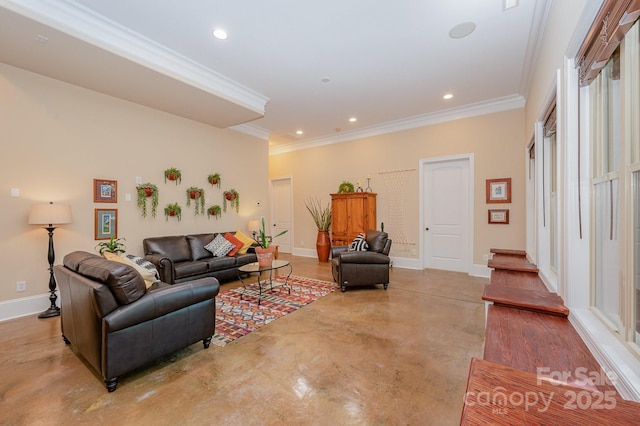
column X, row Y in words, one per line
column 509, row 252
column 512, row 264
column 500, row 395
column 528, row 340
column 516, row 279
column 538, row 301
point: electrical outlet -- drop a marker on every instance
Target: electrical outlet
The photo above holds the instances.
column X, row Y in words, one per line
column 21, row 286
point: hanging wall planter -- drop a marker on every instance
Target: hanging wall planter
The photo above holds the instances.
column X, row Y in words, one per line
column 233, row 198
column 214, row 179
column 197, row 195
column 173, row 174
column 146, row 191
column 173, row 210
column 214, row 211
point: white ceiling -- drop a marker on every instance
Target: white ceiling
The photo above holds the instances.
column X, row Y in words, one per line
column 389, row 62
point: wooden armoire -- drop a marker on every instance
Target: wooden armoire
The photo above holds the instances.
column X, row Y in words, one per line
column 351, row 214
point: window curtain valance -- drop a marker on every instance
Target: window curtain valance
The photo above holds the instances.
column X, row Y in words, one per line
column 613, row 21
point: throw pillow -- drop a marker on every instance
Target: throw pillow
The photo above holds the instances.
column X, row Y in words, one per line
column 237, row 244
column 144, row 267
column 359, row 244
column 247, row 241
column 219, row 246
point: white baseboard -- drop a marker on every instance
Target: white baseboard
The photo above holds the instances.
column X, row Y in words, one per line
column 611, row 353
column 480, row 271
column 16, row 308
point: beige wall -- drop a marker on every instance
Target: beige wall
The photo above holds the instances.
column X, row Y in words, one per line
column 495, row 140
column 56, row 138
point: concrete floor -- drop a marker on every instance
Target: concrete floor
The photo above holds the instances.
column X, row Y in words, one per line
column 364, row 357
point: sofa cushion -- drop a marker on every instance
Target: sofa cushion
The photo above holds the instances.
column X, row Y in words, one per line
column 124, row 281
column 237, row 244
column 189, row 268
column 175, row 248
column 359, row 244
column 247, row 241
column 219, row 246
column 376, row 240
column 219, row 263
column 197, row 243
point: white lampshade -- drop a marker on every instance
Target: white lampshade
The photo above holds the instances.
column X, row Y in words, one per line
column 254, row 226
column 49, row 214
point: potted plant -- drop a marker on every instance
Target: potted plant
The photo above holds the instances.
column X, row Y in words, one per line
column 196, row 194
column 233, row 198
column 345, row 187
column 173, row 174
column 173, row 210
column 214, row 179
column 265, row 251
column 322, row 218
column 214, row 211
column 145, row 191
column 113, row 245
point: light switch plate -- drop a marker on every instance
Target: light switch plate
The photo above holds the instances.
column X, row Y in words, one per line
column 15, row 192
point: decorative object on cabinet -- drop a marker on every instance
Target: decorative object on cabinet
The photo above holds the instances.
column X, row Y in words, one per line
column 322, row 218
column 345, row 187
column 499, row 190
column 214, row 211
column 214, row 179
column 368, row 188
column 499, row 216
column 173, row 174
column 105, row 191
column 352, row 214
column 173, row 210
column 146, row 191
column 233, row 198
column 106, row 224
column 114, row 245
column 197, row 195
column 50, row 215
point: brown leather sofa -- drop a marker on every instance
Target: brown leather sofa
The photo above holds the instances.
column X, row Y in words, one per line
column 183, row 257
column 358, row 268
column 116, row 324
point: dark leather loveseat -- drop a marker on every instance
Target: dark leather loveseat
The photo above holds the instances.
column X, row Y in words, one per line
column 183, row 257
column 116, row 324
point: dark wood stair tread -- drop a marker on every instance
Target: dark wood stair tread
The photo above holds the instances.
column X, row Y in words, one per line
column 509, row 252
column 539, row 301
column 512, row 264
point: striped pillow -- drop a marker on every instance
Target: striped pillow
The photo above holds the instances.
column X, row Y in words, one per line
column 359, row 244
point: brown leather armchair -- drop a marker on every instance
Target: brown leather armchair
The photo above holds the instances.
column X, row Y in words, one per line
column 116, row 324
column 357, row 268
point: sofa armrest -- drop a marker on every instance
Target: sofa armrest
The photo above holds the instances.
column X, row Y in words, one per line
column 162, row 301
column 164, row 265
column 336, row 250
column 363, row 257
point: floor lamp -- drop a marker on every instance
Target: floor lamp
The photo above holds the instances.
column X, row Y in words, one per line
column 50, row 214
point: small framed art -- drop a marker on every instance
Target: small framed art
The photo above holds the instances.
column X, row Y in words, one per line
column 499, row 216
column 499, row 190
column 106, row 224
column 105, row 191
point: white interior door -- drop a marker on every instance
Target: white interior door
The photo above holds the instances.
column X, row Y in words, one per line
column 447, row 215
column 281, row 213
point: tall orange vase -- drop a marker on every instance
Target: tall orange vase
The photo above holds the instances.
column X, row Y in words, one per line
column 323, row 246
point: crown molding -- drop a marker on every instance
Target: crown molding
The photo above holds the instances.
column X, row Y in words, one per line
column 481, row 108
column 252, row 130
column 80, row 22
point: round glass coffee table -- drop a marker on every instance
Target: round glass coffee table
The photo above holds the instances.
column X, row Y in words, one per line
column 267, row 282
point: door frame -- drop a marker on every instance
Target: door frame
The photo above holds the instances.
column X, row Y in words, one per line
column 271, row 213
column 422, row 167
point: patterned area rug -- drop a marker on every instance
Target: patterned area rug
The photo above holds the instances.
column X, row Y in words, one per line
column 236, row 318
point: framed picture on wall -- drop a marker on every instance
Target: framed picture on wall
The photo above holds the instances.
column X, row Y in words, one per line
column 499, row 190
column 499, row 216
column 106, row 224
column 105, row 191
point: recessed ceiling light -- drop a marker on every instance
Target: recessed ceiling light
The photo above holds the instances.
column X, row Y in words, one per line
column 448, row 96
column 462, row 30
column 299, row 132
column 220, row 34
column 353, row 120
column 325, row 80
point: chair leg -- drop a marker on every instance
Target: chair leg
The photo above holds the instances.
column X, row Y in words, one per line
column 206, row 342
column 111, row 384
column 386, row 285
column 343, row 287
